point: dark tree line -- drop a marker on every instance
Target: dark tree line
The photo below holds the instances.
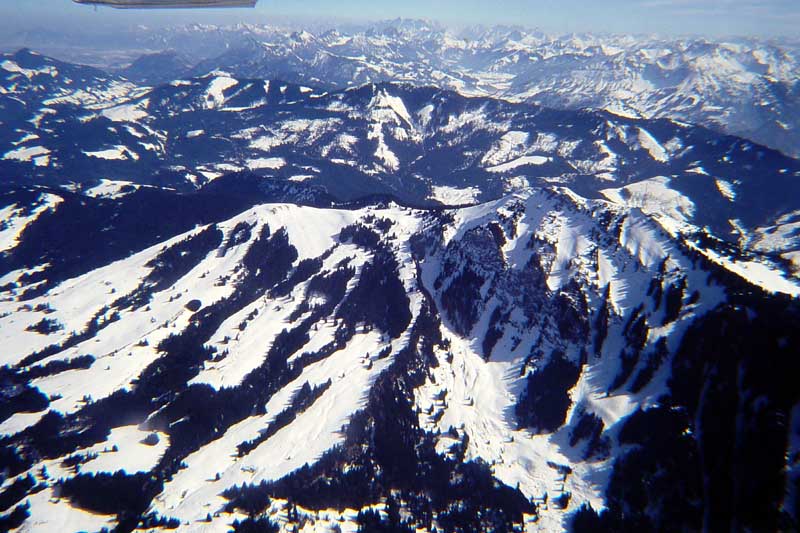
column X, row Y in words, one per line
column 711, row 455
column 545, row 401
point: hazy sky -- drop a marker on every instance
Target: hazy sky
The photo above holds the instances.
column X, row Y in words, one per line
column 705, row 17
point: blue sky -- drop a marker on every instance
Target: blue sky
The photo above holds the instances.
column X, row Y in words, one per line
column 704, row 17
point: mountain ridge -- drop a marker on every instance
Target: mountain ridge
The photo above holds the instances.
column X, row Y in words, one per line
column 539, row 328
column 422, row 145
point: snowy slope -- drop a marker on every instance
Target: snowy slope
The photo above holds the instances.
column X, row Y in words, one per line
column 320, row 367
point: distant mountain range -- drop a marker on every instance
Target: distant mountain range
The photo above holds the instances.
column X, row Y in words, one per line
column 745, row 87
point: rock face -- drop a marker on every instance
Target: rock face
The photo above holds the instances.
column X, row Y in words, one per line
column 542, row 361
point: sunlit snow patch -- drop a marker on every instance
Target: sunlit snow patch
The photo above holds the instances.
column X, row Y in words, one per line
column 127, row 112
column 520, row 162
column 757, row 273
column 726, row 189
column 654, row 197
column 653, row 147
column 15, row 220
column 453, row 195
column 215, row 96
column 272, row 163
column 26, row 153
column 12, row 66
column 116, row 153
column 49, row 513
column 128, row 449
column 512, row 144
column 111, row 189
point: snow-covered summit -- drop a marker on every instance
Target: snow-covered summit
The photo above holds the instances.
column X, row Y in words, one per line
column 528, row 363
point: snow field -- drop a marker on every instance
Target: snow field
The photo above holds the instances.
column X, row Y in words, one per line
column 15, row 220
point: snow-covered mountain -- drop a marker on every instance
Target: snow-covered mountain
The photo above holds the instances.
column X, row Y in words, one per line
column 529, row 363
column 229, row 301
column 103, row 136
column 746, row 87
